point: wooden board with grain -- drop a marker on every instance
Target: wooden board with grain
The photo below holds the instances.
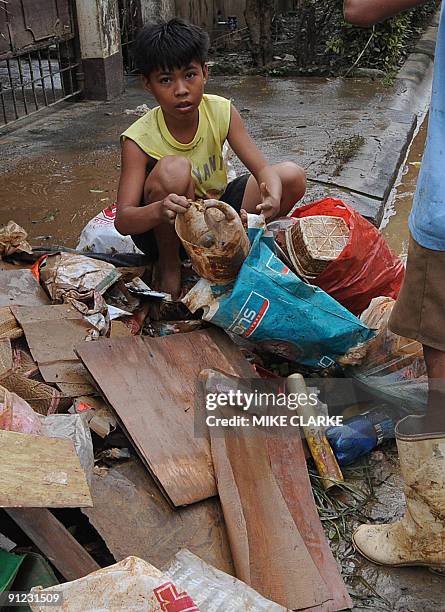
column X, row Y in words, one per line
column 36, row 471
column 288, row 462
column 55, row 541
column 134, row 518
column 268, row 550
column 152, row 384
column 51, row 333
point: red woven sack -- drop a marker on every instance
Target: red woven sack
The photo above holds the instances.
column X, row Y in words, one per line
column 366, row 268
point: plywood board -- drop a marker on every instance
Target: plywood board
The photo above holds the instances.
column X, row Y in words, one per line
column 51, row 333
column 55, row 541
column 152, row 384
column 19, row 287
column 37, row 471
column 134, row 518
column 268, row 551
column 288, row 462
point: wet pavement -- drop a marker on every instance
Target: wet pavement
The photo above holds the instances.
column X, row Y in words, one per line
column 61, row 169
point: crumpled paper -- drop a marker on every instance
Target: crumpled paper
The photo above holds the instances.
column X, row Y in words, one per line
column 69, row 276
column 13, row 239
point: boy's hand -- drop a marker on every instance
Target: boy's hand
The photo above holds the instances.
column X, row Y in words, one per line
column 270, row 206
column 171, row 206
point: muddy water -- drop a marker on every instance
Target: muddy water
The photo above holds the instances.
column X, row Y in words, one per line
column 395, row 222
column 54, row 197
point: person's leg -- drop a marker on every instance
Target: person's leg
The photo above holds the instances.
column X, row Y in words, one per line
column 293, row 179
column 170, row 175
column 435, row 365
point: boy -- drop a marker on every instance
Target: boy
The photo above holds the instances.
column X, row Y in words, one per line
column 174, row 152
column 419, row 313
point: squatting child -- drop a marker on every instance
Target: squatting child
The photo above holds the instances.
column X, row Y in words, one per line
column 174, row 152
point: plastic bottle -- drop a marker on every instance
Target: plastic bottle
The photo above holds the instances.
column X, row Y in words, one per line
column 359, row 436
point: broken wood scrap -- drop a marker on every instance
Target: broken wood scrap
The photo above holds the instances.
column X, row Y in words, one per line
column 268, row 550
column 9, row 328
column 76, row 389
column 37, row 471
column 54, row 541
column 152, row 385
column 51, row 333
column 20, row 288
column 134, row 518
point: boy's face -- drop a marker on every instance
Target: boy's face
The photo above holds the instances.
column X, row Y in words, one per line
column 180, row 91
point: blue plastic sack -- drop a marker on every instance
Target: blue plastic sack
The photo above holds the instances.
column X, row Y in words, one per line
column 272, row 307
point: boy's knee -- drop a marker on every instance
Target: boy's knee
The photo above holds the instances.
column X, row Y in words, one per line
column 172, row 174
column 294, row 176
column 174, row 166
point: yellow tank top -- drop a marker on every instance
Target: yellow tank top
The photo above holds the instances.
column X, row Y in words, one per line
column 209, row 170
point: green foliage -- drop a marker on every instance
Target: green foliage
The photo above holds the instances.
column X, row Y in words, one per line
column 383, row 46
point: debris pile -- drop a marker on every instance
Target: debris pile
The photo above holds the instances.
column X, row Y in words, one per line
column 104, row 387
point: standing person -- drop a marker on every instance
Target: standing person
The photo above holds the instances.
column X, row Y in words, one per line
column 419, row 313
column 174, row 152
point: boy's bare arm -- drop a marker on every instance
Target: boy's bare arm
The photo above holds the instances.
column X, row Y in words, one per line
column 366, row 13
column 265, row 175
column 131, row 218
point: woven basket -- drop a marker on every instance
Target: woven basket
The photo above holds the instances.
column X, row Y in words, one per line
column 43, row 398
column 314, row 242
column 40, row 396
column 9, row 328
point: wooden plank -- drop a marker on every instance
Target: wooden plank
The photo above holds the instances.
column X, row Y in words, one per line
column 55, row 541
column 152, row 384
column 19, row 287
column 76, row 389
column 51, row 333
column 288, row 464
column 268, row 551
column 134, row 518
column 37, row 471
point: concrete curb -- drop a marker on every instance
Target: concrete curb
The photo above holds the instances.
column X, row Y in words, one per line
column 415, row 76
column 412, row 95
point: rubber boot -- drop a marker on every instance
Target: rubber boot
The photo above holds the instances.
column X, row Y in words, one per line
column 419, row 538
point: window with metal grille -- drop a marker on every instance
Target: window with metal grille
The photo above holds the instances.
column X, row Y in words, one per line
column 36, row 79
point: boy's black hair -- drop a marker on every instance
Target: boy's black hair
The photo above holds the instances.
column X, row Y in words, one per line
column 168, row 45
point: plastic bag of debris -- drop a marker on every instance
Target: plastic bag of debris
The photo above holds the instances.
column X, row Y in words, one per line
column 72, row 427
column 271, row 306
column 133, row 585
column 100, row 236
column 393, row 368
column 365, row 267
column 68, row 276
column 13, row 239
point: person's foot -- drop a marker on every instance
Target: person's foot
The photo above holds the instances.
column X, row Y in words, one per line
column 168, row 279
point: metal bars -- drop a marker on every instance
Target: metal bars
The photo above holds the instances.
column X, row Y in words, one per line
column 36, row 79
column 130, row 19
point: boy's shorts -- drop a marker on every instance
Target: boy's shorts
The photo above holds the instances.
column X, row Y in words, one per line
column 419, row 312
column 233, row 195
